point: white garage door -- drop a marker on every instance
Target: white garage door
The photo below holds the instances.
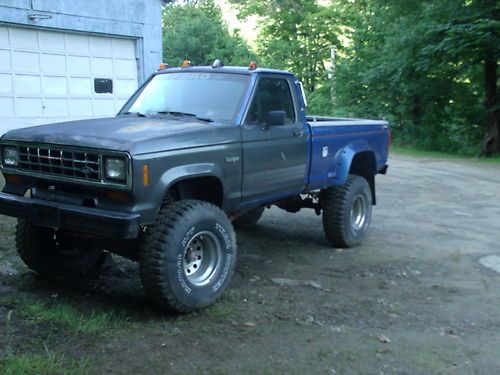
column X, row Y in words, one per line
column 48, row 76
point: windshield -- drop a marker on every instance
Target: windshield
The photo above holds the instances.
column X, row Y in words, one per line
column 214, row 96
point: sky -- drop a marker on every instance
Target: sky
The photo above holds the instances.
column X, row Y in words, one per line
column 248, row 28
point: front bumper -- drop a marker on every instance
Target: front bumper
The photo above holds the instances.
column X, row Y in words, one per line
column 66, row 216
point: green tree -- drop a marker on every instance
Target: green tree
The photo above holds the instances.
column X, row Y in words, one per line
column 424, row 65
column 295, row 35
column 195, row 30
column 428, row 66
column 466, row 35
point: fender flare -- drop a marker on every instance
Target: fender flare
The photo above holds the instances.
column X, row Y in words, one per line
column 184, row 172
column 343, row 163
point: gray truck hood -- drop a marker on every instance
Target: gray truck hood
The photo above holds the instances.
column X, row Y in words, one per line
column 136, row 135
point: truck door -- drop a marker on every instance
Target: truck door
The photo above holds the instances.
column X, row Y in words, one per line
column 274, row 142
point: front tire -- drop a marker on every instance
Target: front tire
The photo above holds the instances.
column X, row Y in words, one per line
column 188, row 256
column 49, row 254
column 347, row 211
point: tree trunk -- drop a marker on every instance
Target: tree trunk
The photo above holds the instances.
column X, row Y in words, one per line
column 416, row 109
column 491, row 143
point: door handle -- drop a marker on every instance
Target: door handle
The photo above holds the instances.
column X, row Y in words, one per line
column 298, row 133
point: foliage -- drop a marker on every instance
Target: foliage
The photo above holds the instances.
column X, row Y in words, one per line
column 429, row 67
column 194, row 30
column 296, row 35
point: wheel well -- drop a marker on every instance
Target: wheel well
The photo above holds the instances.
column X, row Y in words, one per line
column 364, row 165
column 208, row 189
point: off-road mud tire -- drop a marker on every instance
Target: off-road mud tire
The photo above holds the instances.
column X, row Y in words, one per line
column 41, row 251
column 165, row 255
column 347, row 212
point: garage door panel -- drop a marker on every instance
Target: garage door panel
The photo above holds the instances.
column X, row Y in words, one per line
column 80, row 107
column 5, row 82
column 123, row 48
column 77, row 43
column 54, row 85
column 23, row 38
column 23, row 61
column 27, row 84
column 51, row 41
column 80, row 86
column 56, row 107
column 127, row 68
column 104, row 107
column 49, row 75
column 101, row 46
column 51, row 63
column 125, row 86
column 28, row 107
column 102, row 67
column 78, row 65
column 4, row 59
column 6, row 107
column 4, row 35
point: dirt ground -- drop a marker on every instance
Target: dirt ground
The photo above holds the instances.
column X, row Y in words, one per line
column 413, row 299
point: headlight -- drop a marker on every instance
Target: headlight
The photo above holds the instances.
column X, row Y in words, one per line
column 114, row 169
column 10, row 156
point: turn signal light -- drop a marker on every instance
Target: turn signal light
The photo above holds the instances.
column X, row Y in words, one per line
column 13, row 179
column 186, row 64
column 145, row 175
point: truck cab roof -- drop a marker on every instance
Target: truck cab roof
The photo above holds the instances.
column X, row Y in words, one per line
column 223, row 69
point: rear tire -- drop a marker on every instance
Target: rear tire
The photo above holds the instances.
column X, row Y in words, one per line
column 188, row 256
column 347, row 211
column 249, row 218
column 42, row 251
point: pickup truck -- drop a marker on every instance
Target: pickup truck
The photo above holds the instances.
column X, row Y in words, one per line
column 193, row 152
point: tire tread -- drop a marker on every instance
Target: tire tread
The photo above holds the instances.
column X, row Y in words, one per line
column 335, row 204
column 152, row 254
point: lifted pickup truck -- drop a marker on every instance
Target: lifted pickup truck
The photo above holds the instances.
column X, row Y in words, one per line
column 194, row 151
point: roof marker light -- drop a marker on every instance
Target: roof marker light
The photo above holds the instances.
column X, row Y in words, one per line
column 186, row 64
column 217, row 64
column 252, row 66
column 163, row 66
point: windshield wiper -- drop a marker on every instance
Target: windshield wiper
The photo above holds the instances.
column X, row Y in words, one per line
column 138, row 114
column 176, row 113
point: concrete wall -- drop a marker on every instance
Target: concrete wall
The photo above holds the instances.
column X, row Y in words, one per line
column 138, row 19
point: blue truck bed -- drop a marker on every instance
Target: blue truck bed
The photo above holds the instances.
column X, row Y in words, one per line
column 335, row 141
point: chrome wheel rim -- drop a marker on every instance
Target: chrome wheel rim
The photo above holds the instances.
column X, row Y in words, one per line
column 201, row 258
column 358, row 212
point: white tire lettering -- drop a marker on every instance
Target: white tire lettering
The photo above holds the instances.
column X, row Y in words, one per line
column 225, row 235
column 225, row 271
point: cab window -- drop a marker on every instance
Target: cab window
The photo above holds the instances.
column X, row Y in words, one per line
column 272, row 94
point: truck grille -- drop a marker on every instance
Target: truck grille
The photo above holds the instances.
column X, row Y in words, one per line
column 59, row 162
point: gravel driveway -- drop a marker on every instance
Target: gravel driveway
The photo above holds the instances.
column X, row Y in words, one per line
column 420, row 296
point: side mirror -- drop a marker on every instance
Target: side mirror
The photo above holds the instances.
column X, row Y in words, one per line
column 273, row 118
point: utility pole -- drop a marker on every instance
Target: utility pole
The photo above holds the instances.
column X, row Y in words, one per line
column 333, row 56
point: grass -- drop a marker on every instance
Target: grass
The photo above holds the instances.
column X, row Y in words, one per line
column 31, row 355
column 444, row 155
column 71, row 318
column 67, row 316
column 46, row 364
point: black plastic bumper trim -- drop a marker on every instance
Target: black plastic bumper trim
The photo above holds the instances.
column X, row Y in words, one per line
column 65, row 216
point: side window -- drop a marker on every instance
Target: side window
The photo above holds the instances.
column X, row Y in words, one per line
column 272, row 94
